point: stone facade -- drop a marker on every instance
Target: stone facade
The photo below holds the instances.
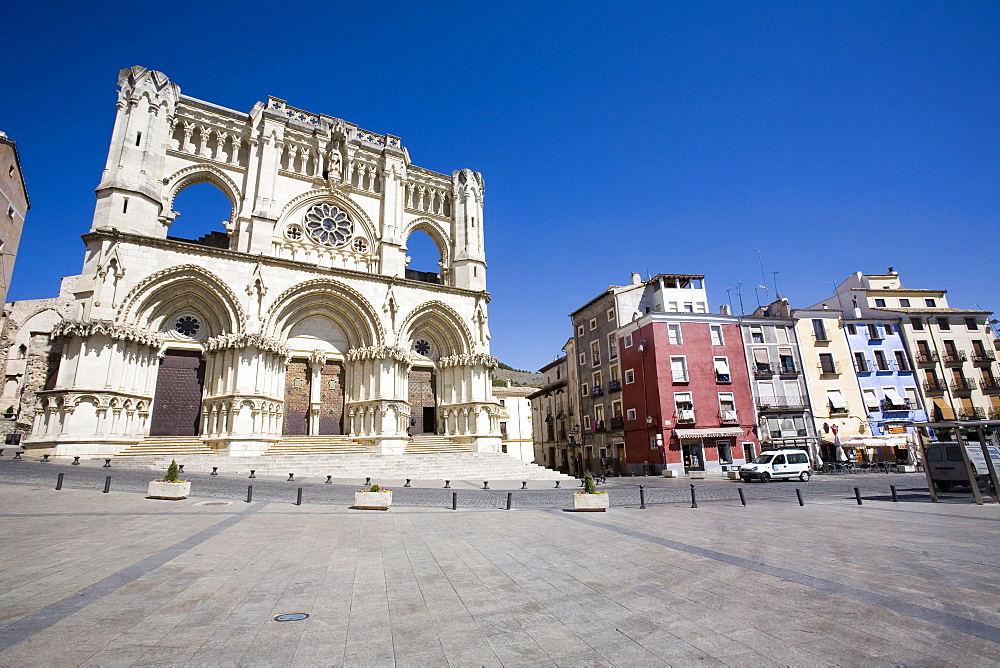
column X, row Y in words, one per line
column 310, row 276
column 14, row 205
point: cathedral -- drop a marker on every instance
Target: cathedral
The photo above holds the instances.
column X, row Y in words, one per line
column 302, row 318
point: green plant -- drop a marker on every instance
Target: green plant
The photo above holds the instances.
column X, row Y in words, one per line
column 588, row 484
column 171, row 472
column 375, row 488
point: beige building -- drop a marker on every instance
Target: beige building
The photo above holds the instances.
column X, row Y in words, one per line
column 552, row 416
column 516, row 421
column 953, row 348
column 14, row 207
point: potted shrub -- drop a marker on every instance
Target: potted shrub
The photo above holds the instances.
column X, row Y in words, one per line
column 373, row 498
column 169, row 487
column 590, row 500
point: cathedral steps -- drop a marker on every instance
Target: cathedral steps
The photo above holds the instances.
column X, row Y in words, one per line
column 168, row 446
column 426, row 444
column 315, row 445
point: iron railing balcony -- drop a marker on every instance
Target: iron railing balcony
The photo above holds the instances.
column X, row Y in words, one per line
column 888, row 406
column 789, row 371
column 617, row 423
column 934, row 386
column 954, row 356
column 972, row 414
column 614, row 386
column 983, row 356
column 962, row 385
column 763, row 371
column 927, row 358
column 597, row 391
column 728, row 417
column 781, row 403
column 990, row 384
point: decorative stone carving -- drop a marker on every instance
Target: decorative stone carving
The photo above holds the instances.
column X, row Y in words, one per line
column 87, row 328
column 477, row 359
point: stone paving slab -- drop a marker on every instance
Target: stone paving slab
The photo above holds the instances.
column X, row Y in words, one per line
column 117, row 579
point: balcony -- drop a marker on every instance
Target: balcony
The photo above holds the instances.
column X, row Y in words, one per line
column 972, row 414
column 983, row 356
column 962, row 385
column 789, row 371
column 728, row 417
column 954, row 356
column 685, row 415
column 617, row 424
column 763, row 371
column 781, row 403
column 929, row 357
column 990, row 385
column 614, row 386
column 597, row 391
column 599, row 427
column 889, row 407
column 933, row 386
column 723, row 378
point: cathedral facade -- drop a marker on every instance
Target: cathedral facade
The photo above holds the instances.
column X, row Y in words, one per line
column 301, row 319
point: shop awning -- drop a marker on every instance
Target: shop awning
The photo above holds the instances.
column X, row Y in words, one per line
column 719, row 432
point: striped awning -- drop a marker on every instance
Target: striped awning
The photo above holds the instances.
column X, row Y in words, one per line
column 718, row 432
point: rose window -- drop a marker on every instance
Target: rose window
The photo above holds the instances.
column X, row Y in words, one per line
column 422, row 347
column 187, row 326
column 328, row 225
column 360, row 245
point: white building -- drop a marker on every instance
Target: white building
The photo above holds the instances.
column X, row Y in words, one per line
column 516, row 421
column 301, row 319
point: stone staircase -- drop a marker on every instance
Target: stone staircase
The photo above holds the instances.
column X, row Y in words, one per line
column 168, row 446
column 427, row 444
column 315, row 445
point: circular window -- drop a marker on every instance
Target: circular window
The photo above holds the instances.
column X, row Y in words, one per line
column 328, row 225
column 422, row 347
column 187, row 326
column 293, row 232
column 360, row 245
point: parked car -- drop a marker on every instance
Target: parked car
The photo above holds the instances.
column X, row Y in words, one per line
column 944, row 461
column 778, row 464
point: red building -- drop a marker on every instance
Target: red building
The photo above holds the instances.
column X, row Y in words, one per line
column 686, row 394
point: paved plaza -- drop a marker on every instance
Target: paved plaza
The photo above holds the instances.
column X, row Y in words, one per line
column 88, row 578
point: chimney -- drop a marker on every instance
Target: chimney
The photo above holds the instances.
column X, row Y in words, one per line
column 893, row 272
column 724, row 310
column 636, row 278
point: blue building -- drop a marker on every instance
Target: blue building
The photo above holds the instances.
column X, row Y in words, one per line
column 885, row 376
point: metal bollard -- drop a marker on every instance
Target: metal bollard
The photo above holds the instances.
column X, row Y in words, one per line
column 291, row 477
column 454, row 500
column 215, row 471
column 694, row 502
column 447, row 484
column 743, row 499
column 895, row 498
column 798, row 493
column 252, row 471
column 510, row 499
column 407, row 483
column 45, row 459
column 1, row 452
column 76, row 461
column 59, row 481
column 557, row 484
column 329, row 480
column 486, row 484
column 107, row 484
column 642, row 498
column 524, row 484
column 298, row 498
column 857, row 495
column 107, row 464
column 17, row 455
column 249, row 493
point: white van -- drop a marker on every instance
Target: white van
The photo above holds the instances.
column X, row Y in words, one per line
column 777, row 464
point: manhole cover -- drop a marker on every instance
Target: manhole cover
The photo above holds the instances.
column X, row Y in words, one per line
column 293, row 617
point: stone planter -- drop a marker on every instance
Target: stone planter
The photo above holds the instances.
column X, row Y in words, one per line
column 372, row 500
column 696, row 475
column 595, row 503
column 173, row 491
column 669, row 473
column 733, row 475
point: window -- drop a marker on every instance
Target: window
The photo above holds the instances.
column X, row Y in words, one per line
column 583, row 358
column 851, row 329
column 917, row 324
column 716, row 332
column 679, row 369
column 727, row 407
column 786, row 360
column 503, row 402
column 880, row 303
column 722, row 370
column 902, row 363
column 749, row 452
column 970, row 324
column 584, row 390
column 595, row 353
column 792, row 394
column 614, row 373
column 765, row 393
column 826, row 363
column 880, row 360
column 629, row 376
column 593, row 324
column 930, row 303
column 911, row 398
column 725, row 452
column 10, row 209
column 871, row 400
column 612, row 346
column 701, row 307
column 10, row 172
column 836, row 400
column 861, row 363
column 689, row 307
column 873, row 332
column 599, row 415
column 630, row 414
column 684, row 406
column 674, row 334
column 756, row 335
column 628, row 341
column 586, row 423
column 673, row 307
column 781, row 333
column 762, row 364
column 819, row 330
column 943, row 324
column 611, row 314
column 597, row 379
column 579, row 330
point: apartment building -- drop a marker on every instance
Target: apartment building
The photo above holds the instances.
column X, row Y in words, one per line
column 550, row 415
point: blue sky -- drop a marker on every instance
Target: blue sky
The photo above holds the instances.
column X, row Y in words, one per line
column 613, row 137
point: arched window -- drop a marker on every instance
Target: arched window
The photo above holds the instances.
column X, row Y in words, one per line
column 425, row 258
column 203, row 213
